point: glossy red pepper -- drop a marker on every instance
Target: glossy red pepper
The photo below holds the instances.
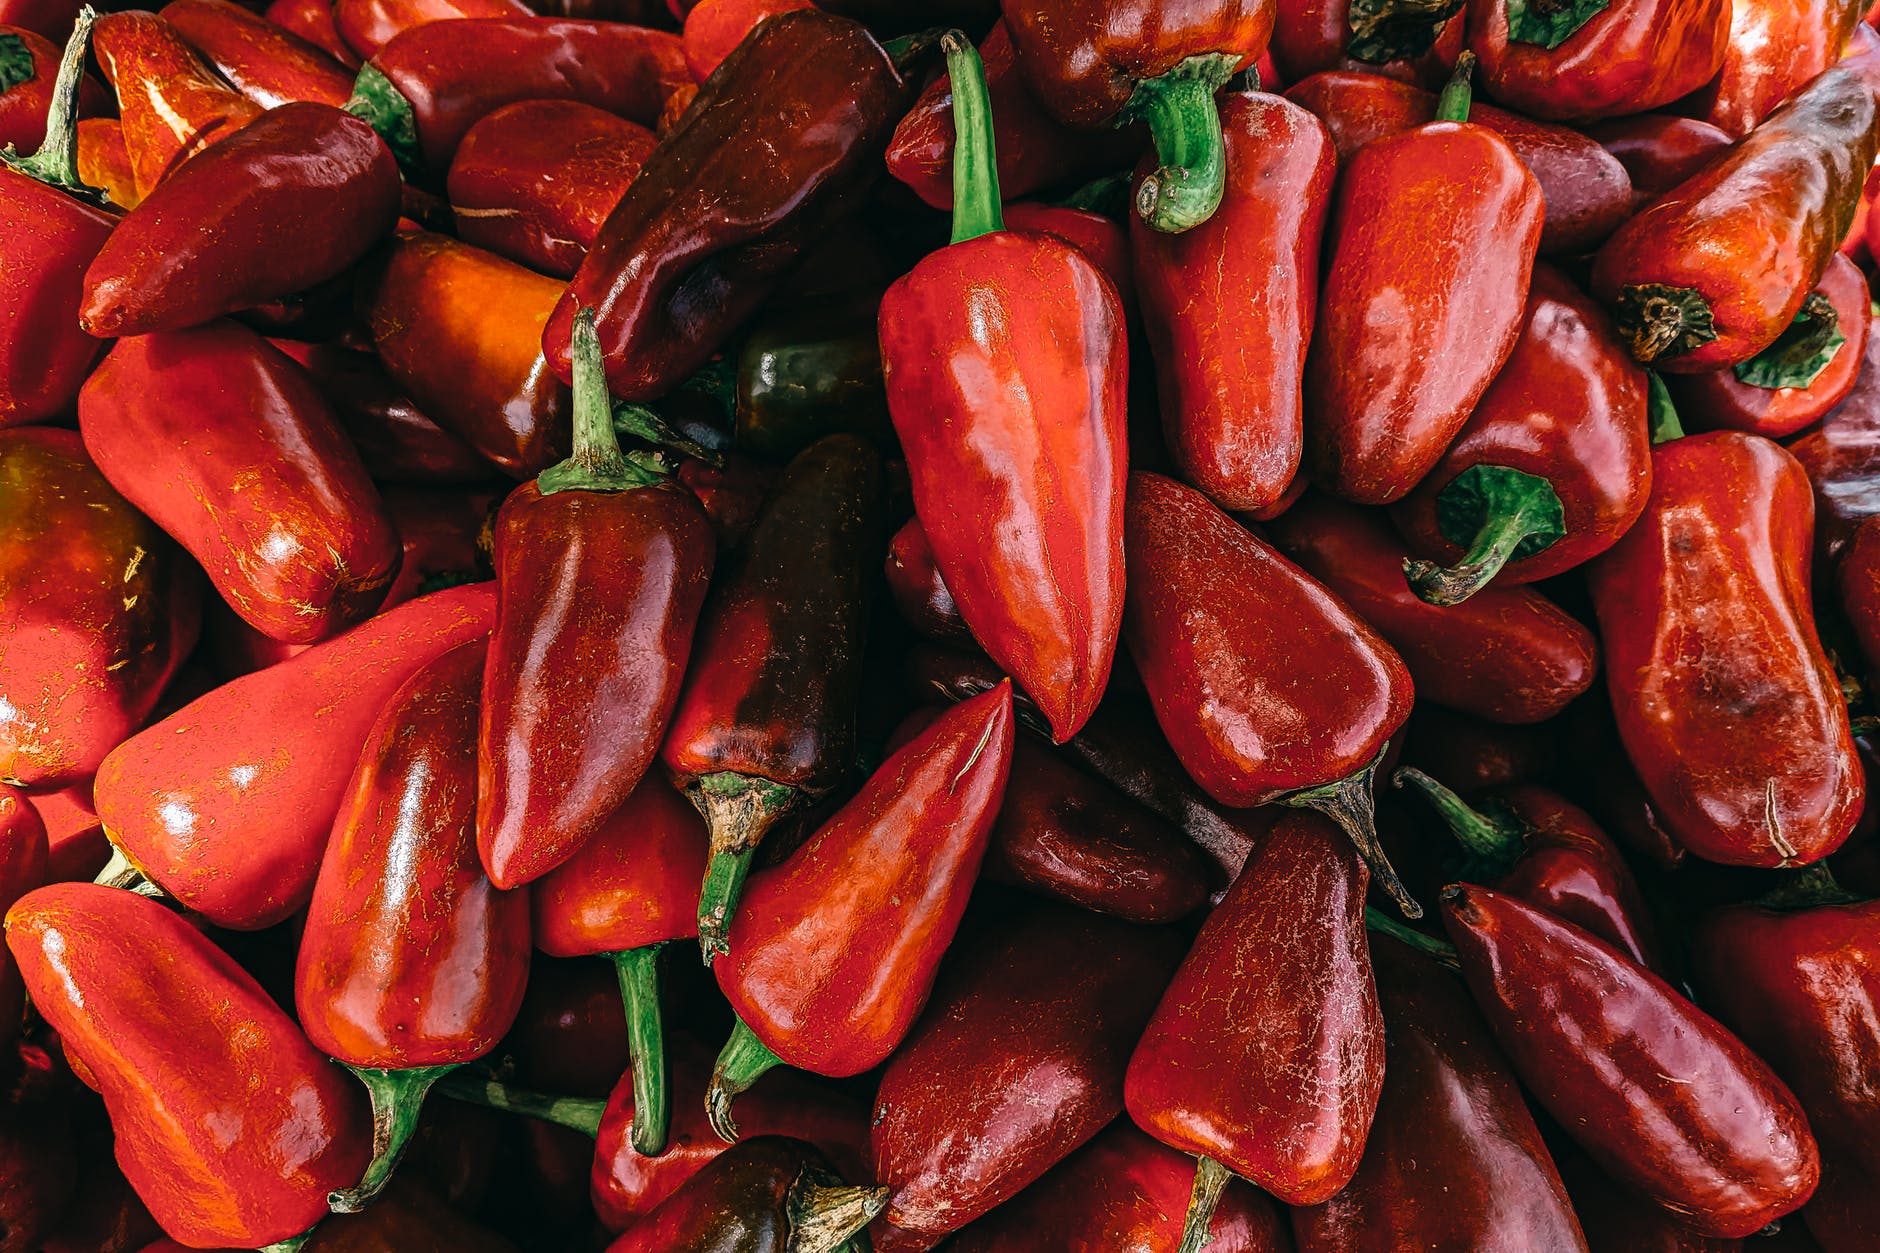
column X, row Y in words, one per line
column 919, row 592
column 1658, row 150
column 1591, row 59
column 833, row 953
column 100, row 608
column 1429, row 252
column 397, row 442
column 29, row 65
column 1103, row 240
column 160, row 1019
column 1842, row 457
column 1713, row 271
column 1774, row 47
column 23, row 867
column 366, row 26
column 1857, row 579
column 1662, row 1097
column 315, row 22
column 1725, row 700
column 979, row 344
column 1017, row 1061
column 533, row 181
column 714, row 27
column 1229, row 305
column 103, row 163
column 264, row 61
column 170, row 103
column 228, row 803
column 1416, row 41
column 1619, row 1220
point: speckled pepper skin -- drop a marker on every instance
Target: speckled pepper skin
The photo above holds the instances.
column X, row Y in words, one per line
column 266, row 62
column 44, row 355
column 170, row 103
column 1629, row 57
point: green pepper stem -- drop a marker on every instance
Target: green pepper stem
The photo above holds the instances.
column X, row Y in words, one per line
column 397, row 1100
column 1453, row 104
column 56, row 162
column 1502, row 514
column 739, row 811
column 379, row 104
column 1808, row 887
column 742, row 1062
column 1211, row 1180
column 122, row 872
column 596, row 465
column 293, row 1244
column 1382, row 923
column 1806, row 347
column 1349, row 803
column 826, row 1214
column 1481, row 835
column 1661, row 413
column 647, row 424
column 574, row 1112
column 976, row 207
column 1190, row 177
column 638, row 969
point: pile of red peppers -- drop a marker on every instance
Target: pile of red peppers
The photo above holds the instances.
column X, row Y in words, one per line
column 827, row 626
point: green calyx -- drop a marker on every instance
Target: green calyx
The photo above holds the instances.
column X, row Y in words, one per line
column 1428, row 945
column 16, row 62
column 644, row 423
column 1550, row 23
column 384, row 108
column 1349, row 803
column 638, row 969
column 1190, row 177
column 1657, row 320
column 56, row 162
column 1801, row 352
column 827, row 1214
column 1492, row 838
column 742, row 1062
column 397, row 1099
column 1808, row 887
column 577, row 1113
column 1453, row 104
column 739, row 810
column 977, row 209
column 1660, row 414
column 1499, row 514
column 293, row 1244
column 1393, row 30
column 596, row 465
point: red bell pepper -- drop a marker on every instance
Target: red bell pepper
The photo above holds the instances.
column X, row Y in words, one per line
column 315, row 22
column 1842, row 457
column 1658, row 150
column 1589, row 59
column 29, row 68
column 1018, row 434
column 170, row 103
column 265, row 62
column 161, row 1020
column 397, row 442
column 1774, row 47
column 1725, row 700
column 1663, row 1098
column 833, row 953
column 227, row 804
column 366, row 26
column 714, row 27
column 919, row 592
column 1416, row 41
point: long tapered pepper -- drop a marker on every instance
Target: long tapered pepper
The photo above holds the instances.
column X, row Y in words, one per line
column 170, row 103
column 1590, row 59
column 269, row 64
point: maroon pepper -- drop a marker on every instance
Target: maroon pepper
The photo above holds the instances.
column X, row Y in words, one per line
column 397, row 442
column 1842, row 457
column 919, row 591
column 29, row 67
column 269, row 64
column 1658, row 150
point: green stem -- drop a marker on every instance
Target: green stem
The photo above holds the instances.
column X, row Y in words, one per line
column 1211, row 1180
column 826, row 1213
column 56, row 162
column 739, row 811
column 1383, row 31
column 1349, row 803
column 742, row 1062
column 646, row 424
column 1501, row 514
column 1479, row 834
column 1660, row 412
column 1107, row 196
column 1190, row 177
column 574, row 1112
column 397, row 1100
column 1453, row 104
column 596, row 464
column 1382, row 923
column 1806, row 347
column 638, row 969
column 1808, row 887
column 976, row 207
column 384, row 108
column 293, row 1244
column 121, row 872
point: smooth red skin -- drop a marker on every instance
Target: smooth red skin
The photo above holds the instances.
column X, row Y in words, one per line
column 1754, row 230
column 291, row 200
column 1658, row 150
column 1717, row 399
column 50, row 19
column 315, row 22
column 23, row 106
column 366, row 26
column 834, row 951
column 1656, row 1091
column 263, row 60
column 76, row 846
column 634, row 883
column 1628, row 58
column 1263, row 681
column 714, row 27
column 1569, row 406
column 1006, row 368
column 170, row 103
column 162, row 1019
column 1802, row 988
column 455, row 75
column 23, row 853
column 1774, row 47
column 1429, row 253
column 1104, row 241
column 103, row 163
column 397, row 442
column 1618, row 1220
column 919, row 593
column 1229, row 305
column 228, row 803
column 1310, row 37
column 439, row 532
column 600, row 592
column 226, row 444
column 44, row 356
column 80, row 669
column 1454, row 1160
column 1842, row 457
column 1726, row 703
column 1506, row 654
column 534, row 180
column 1267, row 1050
column 732, row 496
column 459, row 330
column 409, row 956
column 1857, row 579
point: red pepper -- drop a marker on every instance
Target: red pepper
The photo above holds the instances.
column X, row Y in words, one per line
column 103, row 163
column 170, row 104
column 442, row 535
column 571, row 1033
column 1266, row 1055
column 1713, row 271
column 1018, row 1060
column 714, row 27
column 98, row 605
column 833, row 953
column 1006, row 367
column 1662, row 1097
column 533, row 181
column 1412, row 40
column 733, row 496
column 1725, row 701
column 23, row 857
column 1430, row 248
column 265, row 62
column 602, row 567
column 29, row 64
column 398, row 443
column 1507, row 654
column 1103, row 240
column 313, row 21
column 77, row 847
column 1094, row 63
column 1659, row 151
column 1454, row 1160
column 160, row 1019
column 366, row 26
column 228, row 803
column 1842, row 457
column 1618, row 1218
column 408, row 1218
column 1229, row 305
column 50, row 19
column 1857, row 579
column 1473, row 753
column 918, row 590
column 1589, row 59
column 1550, row 469
column 1774, row 47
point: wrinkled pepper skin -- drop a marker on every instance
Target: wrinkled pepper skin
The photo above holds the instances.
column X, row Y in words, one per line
column 1627, row 58
column 170, row 103
column 1017, row 1061
column 1774, row 47
column 228, row 803
column 1658, row 150
column 160, row 1019
column 534, row 180
column 226, row 444
column 44, row 356
column 368, row 25
column 1229, row 304
column 266, row 62
column 287, row 202
column 459, row 330
column 778, row 147
column 1454, row 1160
column 1429, row 251
column 1657, row 1092
column 28, row 64
column 1711, row 272
column 397, row 442
column 1508, row 655
column 742, row 1202
column 98, row 608
column 1726, row 703
column 1266, row 1053
column 313, row 21
column 1842, row 457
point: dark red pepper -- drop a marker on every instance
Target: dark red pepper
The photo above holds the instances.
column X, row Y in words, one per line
column 29, row 66
column 1774, row 47
column 714, row 27
column 1587, row 59
column 313, row 21
column 269, row 64
column 1412, row 40
column 1842, row 457
column 1857, row 579
column 398, row 443
column 1658, row 150
column 918, row 590
column 368, row 25
column 1619, row 1220
column 170, row 103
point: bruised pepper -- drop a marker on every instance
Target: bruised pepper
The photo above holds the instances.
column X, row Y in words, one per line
column 1006, row 366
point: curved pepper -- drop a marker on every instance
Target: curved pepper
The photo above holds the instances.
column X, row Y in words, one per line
column 169, row 102
column 1587, row 59
column 1659, row 151
column 1017, row 1061
column 1411, row 40
column 29, row 68
column 833, row 953
column 1842, row 457
column 228, row 446
column 1429, row 253
column 1725, row 700
column 397, row 442
column 1007, row 366
column 1774, row 47
column 1662, row 1097
column 366, row 26
column 160, row 1019
column 1713, row 271
column 98, row 606
column 227, row 804
column 265, row 62
column 313, row 21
